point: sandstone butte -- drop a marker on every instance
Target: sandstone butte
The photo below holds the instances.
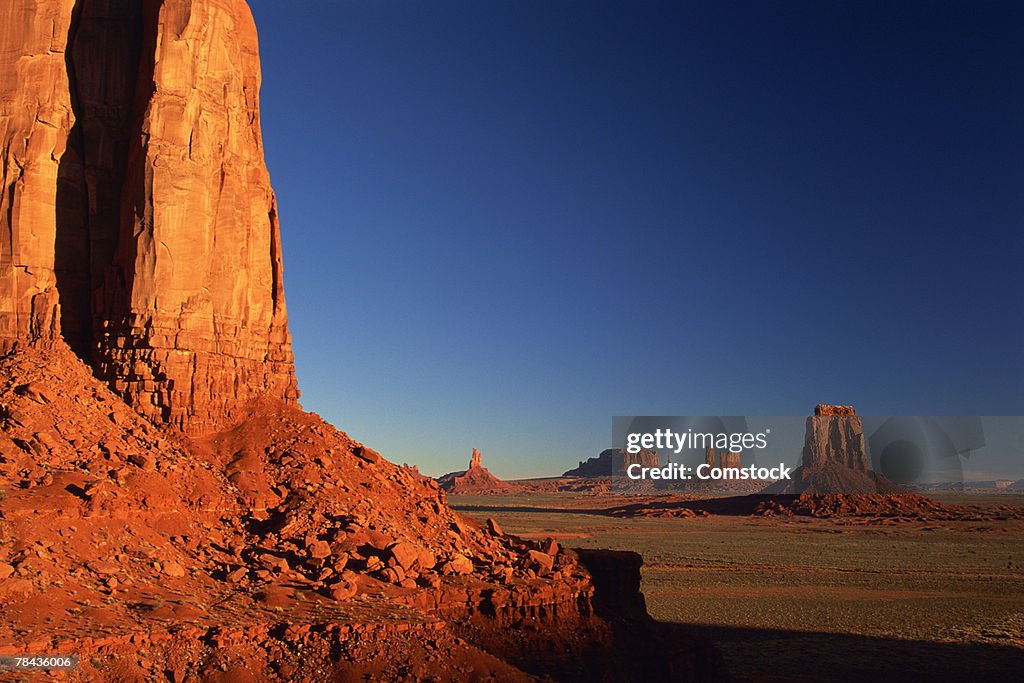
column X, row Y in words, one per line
column 833, row 481
column 167, row 511
column 477, row 479
column 724, row 458
column 835, row 459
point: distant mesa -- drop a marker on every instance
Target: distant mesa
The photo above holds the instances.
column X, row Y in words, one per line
column 834, row 457
column 725, row 459
column 835, row 480
column 475, row 480
column 613, row 462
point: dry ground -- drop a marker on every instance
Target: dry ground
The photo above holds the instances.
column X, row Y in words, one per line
column 800, row 599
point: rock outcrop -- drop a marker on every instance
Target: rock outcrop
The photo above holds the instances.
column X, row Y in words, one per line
column 835, row 458
column 35, row 118
column 729, row 460
column 835, row 435
column 137, row 221
column 613, row 462
column 477, row 479
column 280, row 531
column 725, row 459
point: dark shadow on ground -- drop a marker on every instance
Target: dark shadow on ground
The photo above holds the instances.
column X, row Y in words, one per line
column 781, row 656
column 644, row 649
column 732, row 505
column 523, row 508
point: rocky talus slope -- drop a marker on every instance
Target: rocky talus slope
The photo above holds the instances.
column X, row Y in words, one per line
column 276, row 547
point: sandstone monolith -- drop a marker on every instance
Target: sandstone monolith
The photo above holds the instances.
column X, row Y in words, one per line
column 137, row 221
column 835, row 435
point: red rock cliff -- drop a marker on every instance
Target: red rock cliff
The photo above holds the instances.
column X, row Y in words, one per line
column 835, row 435
column 137, row 219
column 35, row 117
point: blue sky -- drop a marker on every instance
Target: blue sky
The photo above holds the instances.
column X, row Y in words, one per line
column 505, row 222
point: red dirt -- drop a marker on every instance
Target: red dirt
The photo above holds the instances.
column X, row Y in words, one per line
column 880, row 508
column 894, row 507
column 833, row 478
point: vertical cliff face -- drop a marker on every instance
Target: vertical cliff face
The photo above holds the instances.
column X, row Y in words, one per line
column 102, row 60
column 834, row 458
column 35, row 117
column 835, row 435
column 136, row 197
column 192, row 313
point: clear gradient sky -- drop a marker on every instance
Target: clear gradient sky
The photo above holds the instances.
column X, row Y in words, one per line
column 505, row 222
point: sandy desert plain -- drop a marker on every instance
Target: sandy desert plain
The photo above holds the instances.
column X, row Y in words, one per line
column 793, row 598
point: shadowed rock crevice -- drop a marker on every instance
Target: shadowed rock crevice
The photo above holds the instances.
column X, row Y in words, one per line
column 71, row 243
column 102, row 56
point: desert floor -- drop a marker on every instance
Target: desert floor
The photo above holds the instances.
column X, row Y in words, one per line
column 802, row 599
